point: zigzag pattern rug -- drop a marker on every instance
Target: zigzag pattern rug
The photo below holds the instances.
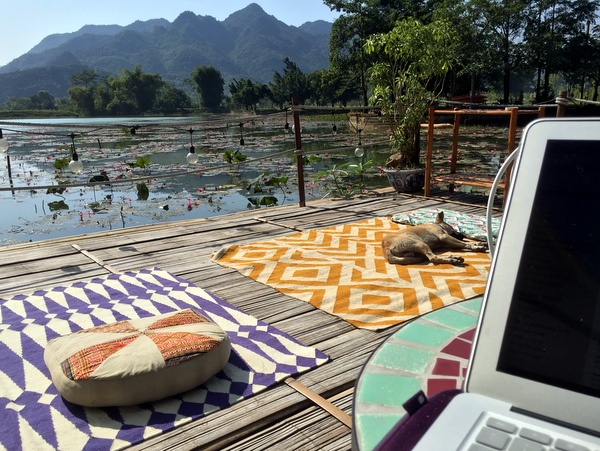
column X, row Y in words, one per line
column 34, row 416
column 341, row 270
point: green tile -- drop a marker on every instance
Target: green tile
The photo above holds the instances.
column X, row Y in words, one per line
column 387, row 389
column 402, row 357
column 424, row 334
column 372, row 428
column 453, row 319
column 473, row 304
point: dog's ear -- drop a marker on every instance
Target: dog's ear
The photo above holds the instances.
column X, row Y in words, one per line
column 439, row 218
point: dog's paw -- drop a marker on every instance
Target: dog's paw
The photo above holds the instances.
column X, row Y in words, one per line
column 479, row 247
column 455, row 260
column 449, row 260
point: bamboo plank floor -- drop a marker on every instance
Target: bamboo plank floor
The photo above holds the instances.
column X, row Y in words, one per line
column 281, row 417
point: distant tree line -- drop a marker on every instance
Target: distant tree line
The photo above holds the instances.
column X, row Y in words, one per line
column 135, row 92
column 43, row 100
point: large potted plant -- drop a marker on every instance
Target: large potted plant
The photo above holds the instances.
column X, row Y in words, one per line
column 412, row 61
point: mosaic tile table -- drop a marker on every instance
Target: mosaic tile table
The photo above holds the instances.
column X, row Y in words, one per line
column 429, row 354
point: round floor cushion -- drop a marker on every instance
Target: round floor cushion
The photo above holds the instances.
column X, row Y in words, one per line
column 136, row 361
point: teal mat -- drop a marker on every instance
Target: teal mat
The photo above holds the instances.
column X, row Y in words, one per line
column 471, row 226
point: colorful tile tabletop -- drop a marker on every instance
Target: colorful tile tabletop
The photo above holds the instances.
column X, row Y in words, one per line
column 429, row 354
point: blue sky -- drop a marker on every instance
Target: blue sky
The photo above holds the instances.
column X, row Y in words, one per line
column 24, row 23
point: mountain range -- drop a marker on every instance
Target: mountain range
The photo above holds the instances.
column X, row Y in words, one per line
column 247, row 44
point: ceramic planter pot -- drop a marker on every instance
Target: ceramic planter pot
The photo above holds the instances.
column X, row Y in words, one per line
column 406, row 180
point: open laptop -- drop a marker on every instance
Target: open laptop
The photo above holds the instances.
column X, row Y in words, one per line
column 534, row 373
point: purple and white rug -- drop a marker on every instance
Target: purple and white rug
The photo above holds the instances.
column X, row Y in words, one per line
column 33, row 415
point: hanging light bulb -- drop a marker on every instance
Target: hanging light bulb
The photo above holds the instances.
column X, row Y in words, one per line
column 286, row 127
column 3, row 143
column 75, row 166
column 192, row 156
column 334, row 128
column 359, row 151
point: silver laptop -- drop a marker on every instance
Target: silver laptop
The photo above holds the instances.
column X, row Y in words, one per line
column 534, row 376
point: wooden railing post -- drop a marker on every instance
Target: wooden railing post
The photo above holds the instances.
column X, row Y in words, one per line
column 298, row 154
column 561, row 101
column 454, row 156
column 429, row 152
column 541, row 112
column 512, row 141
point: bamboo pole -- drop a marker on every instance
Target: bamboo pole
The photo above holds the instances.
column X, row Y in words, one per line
column 429, row 152
column 454, row 156
column 299, row 156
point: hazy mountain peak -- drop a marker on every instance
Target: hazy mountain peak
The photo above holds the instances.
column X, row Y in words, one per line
column 248, row 44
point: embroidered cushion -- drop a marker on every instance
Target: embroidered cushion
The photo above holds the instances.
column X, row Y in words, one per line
column 136, row 361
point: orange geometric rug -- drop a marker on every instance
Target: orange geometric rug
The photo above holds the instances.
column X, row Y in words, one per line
column 341, row 270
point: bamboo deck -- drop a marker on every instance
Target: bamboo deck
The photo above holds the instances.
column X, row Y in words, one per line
column 280, row 417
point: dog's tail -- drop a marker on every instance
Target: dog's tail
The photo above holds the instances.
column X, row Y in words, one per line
column 216, row 256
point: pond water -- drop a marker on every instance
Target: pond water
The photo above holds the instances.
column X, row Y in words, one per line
column 39, row 201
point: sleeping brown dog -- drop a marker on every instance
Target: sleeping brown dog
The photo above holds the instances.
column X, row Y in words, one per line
column 416, row 244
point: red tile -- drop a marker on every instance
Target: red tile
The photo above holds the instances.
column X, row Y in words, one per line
column 439, row 385
column 468, row 335
column 458, row 348
column 445, row 367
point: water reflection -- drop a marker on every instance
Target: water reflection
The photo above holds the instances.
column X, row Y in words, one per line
column 210, row 187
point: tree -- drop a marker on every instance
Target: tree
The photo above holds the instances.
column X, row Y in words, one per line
column 361, row 19
column 476, row 64
column 103, row 94
column 324, row 86
column 504, row 19
column 170, row 99
column 557, row 39
column 138, row 89
column 349, row 33
column 292, row 83
column 43, row 100
column 83, row 100
column 18, row 103
column 85, row 78
column 595, row 66
column 133, row 92
column 208, row 84
column 581, row 62
column 247, row 94
column 407, row 80
column 330, row 86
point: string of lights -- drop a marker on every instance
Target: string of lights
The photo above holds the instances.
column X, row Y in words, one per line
column 76, row 166
column 228, row 166
column 197, row 171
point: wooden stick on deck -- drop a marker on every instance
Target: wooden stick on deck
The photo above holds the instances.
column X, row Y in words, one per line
column 320, row 401
column 94, row 258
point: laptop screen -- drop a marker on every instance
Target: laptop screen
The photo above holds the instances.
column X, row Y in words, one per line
column 553, row 326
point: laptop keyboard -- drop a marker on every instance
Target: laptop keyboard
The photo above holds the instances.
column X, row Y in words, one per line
column 505, row 434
